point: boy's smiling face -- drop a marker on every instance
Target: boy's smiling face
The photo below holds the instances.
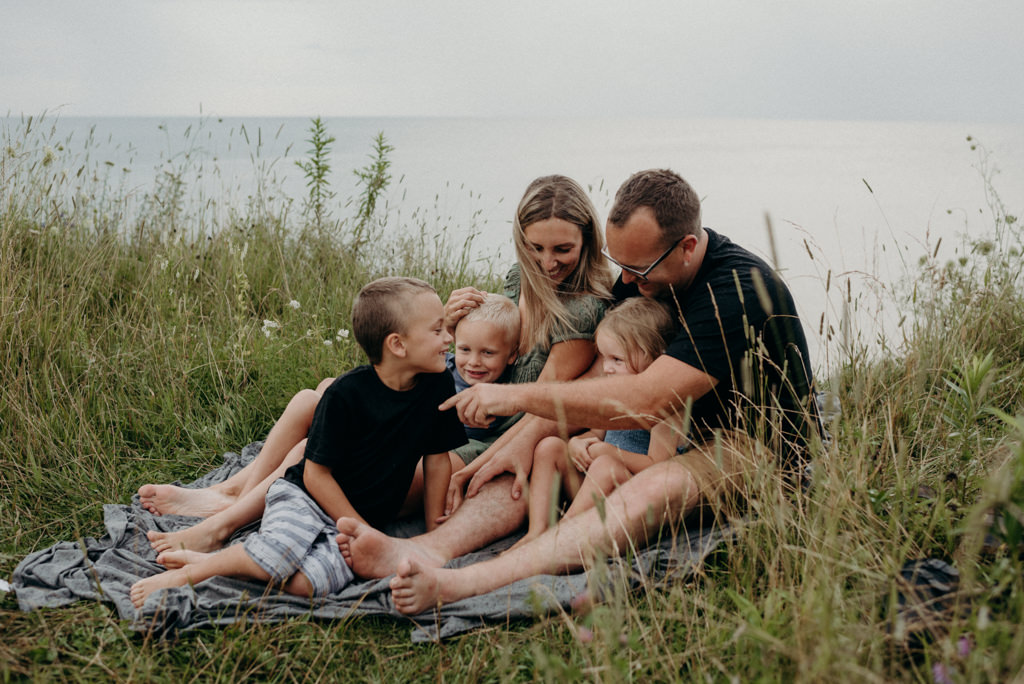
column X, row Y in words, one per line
column 482, row 351
column 425, row 337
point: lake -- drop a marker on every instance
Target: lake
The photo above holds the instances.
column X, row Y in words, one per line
column 866, row 199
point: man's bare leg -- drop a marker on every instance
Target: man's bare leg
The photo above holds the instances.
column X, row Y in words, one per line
column 210, row 534
column 291, row 428
column 480, row 520
column 633, row 512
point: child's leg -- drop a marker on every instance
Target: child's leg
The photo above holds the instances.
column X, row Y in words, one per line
column 210, row 534
column 549, row 475
column 230, row 562
column 604, row 475
column 290, row 428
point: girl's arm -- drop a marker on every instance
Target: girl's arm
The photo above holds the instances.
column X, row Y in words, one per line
column 664, row 440
column 437, row 472
column 326, row 491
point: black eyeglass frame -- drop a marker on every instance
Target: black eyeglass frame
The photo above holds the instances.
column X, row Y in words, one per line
column 641, row 275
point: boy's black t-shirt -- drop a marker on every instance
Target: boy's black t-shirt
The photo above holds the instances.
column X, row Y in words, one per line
column 372, row 436
column 750, row 339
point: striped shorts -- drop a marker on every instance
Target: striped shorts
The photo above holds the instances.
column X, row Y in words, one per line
column 296, row 535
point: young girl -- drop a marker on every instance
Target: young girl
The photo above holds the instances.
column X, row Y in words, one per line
column 629, row 338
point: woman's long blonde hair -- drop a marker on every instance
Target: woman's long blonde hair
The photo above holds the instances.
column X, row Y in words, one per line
column 543, row 306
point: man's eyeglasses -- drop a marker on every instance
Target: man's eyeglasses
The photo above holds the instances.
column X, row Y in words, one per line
column 642, row 275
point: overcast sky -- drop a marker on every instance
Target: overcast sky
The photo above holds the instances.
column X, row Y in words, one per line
column 929, row 60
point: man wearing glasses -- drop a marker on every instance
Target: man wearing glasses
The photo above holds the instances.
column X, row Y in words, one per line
column 738, row 368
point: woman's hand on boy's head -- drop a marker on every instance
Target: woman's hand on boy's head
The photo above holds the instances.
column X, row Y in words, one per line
column 461, row 302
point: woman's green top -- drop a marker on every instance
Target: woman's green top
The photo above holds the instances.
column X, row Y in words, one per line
column 585, row 313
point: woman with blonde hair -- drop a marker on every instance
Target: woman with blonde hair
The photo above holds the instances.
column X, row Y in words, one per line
column 560, row 281
column 562, row 284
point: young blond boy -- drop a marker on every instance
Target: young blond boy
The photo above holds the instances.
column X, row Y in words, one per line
column 369, row 431
column 486, row 344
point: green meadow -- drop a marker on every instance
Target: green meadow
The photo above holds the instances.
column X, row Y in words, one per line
column 144, row 332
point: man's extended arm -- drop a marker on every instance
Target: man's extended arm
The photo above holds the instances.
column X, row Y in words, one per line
column 644, row 398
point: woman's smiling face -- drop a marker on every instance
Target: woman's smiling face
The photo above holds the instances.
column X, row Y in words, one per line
column 556, row 246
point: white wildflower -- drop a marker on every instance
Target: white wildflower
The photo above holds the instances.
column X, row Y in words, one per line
column 294, row 304
column 269, row 326
column 342, row 334
column 328, row 343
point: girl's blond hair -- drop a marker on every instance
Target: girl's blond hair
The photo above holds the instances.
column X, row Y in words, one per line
column 642, row 326
column 544, row 306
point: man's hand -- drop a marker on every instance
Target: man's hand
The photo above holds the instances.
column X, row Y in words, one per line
column 478, row 405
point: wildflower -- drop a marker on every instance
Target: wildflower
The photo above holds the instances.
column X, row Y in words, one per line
column 581, row 603
column 269, row 326
column 294, row 304
column 963, row 646
column 584, row 635
column 328, row 343
column 940, row 674
column 342, row 335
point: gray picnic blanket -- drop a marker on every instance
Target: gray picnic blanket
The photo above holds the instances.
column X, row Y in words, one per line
column 105, row 569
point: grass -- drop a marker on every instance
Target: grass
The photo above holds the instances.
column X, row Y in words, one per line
column 136, row 347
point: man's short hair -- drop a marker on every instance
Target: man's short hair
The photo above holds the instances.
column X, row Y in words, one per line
column 499, row 310
column 382, row 308
column 675, row 205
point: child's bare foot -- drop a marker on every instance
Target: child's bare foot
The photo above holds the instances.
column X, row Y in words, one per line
column 171, row 499
column 372, row 554
column 196, row 538
column 416, row 587
column 143, row 588
column 180, row 558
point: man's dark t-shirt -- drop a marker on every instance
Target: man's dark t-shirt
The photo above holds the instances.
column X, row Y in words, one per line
column 371, row 437
column 738, row 323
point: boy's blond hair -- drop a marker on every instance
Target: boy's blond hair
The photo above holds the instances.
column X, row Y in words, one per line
column 382, row 308
column 642, row 326
column 499, row 310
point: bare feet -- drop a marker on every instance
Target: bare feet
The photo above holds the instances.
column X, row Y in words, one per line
column 416, row 587
column 143, row 588
column 181, row 558
column 171, row 499
column 196, row 538
column 372, row 554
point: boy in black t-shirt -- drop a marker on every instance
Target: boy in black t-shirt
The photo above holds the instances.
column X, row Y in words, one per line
column 369, row 431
